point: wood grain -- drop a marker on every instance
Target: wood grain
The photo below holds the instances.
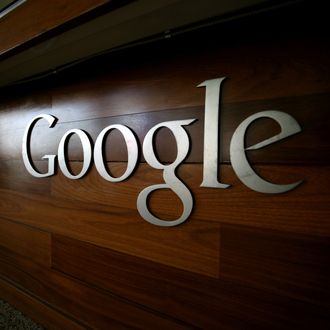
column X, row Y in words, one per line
column 194, row 299
column 243, row 260
column 292, row 265
column 237, row 205
column 283, row 274
column 108, row 217
column 94, row 307
column 26, row 241
column 14, row 176
column 119, row 228
column 40, row 312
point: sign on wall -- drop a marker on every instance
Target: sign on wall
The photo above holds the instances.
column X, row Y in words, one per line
column 211, row 178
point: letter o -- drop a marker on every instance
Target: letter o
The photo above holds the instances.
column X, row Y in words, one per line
column 132, row 151
column 87, row 153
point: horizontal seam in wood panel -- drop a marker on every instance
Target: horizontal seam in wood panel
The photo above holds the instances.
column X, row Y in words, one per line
column 116, row 296
column 225, row 163
column 21, row 194
column 60, row 122
column 194, row 108
column 123, row 299
column 77, row 285
column 44, row 302
column 44, row 243
column 26, row 224
column 198, row 261
column 59, row 310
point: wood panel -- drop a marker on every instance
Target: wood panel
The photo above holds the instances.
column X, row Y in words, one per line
column 238, row 204
column 27, row 241
column 14, row 176
column 108, row 217
column 94, row 307
column 119, row 228
column 194, row 299
column 16, row 111
column 34, row 18
column 283, row 274
column 293, row 265
column 36, row 309
column 243, row 260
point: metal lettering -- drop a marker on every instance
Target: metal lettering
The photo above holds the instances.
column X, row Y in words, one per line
column 26, row 148
column 171, row 180
column 132, row 151
column 87, row 153
column 211, row 133
column 241, row 166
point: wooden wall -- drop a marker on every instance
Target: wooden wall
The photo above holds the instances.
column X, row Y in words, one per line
column 75, row 254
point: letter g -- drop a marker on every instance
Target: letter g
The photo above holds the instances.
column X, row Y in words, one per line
column 171, row 180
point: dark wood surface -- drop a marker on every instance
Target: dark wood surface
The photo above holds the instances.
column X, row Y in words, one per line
column 35, row 18
column 77, row 254
column 27, row 241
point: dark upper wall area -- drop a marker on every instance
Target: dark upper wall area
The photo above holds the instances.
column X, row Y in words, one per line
column 39, row 38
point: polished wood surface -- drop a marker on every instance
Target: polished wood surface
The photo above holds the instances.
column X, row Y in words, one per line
column 78, row 252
